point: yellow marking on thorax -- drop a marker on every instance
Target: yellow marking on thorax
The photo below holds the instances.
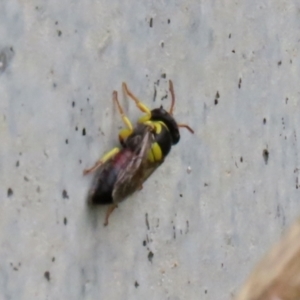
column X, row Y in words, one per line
column 155, row 153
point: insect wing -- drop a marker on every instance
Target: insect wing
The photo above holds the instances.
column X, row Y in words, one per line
column 130, row 179
column 150, row 168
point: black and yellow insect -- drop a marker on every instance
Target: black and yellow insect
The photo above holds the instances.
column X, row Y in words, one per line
column 123, row 170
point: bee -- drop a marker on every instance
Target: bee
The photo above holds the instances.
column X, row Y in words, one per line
column 123, row 170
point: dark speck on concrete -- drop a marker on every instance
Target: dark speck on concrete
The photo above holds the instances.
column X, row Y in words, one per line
column 266, row 155
column 65, row 194
column 164, row 97
column 155, row 93
column 6, row 55
column 136, row 284
column 47, row 275
column 150, row 256
column 147, row 221
column 151, row 23
column 9, row 192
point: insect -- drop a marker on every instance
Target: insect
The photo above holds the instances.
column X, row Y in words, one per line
column 123, row 170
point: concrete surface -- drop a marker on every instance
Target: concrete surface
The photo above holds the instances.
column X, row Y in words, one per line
column 186, row 235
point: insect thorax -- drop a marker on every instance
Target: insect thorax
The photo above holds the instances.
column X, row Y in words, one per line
column 159, row 114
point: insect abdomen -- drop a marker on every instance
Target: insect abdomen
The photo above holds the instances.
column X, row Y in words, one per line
column 102, row 193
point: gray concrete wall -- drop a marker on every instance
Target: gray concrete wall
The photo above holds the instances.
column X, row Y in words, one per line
column 235, row 68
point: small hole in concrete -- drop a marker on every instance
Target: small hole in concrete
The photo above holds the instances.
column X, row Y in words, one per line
column 65, row 194
column 47, row 275
column 150, row 256
column 151, row 23
column 9, row 192
column 266, row 155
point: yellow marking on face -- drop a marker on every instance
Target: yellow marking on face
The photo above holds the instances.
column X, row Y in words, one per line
column 156, row 126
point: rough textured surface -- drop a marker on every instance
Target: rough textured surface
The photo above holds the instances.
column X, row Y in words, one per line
column 196, row 235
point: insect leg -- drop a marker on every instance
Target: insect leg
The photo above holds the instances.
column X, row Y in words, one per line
column 109, row 211
column 142, row 107
column 121, row 111
column 124, row 133
column 103, row 159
